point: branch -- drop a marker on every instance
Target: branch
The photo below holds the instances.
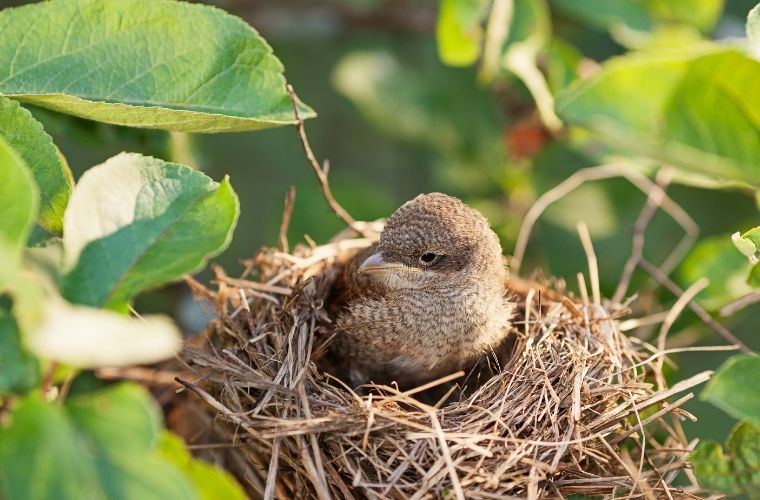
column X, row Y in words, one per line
column 285, row 221
column 740, row 303
column 666, row 282
column 320, row 171
column 601, row 172
column 654, row 200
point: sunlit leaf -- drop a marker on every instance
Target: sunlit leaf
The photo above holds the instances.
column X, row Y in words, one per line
column 717, row 260
column 89, row 337
column 734, row 388
column 753, row 27
column 100, row 445
column 702, row 14
column 733, row 468
column 612, row 16
column 753, row 279
column 696, row 110
column 136, row 222
column 20, row 370
column 18, row 208
column 143, row 63
column 48, row 167
column 210, row 482
column 748, row 243
column 458, row 31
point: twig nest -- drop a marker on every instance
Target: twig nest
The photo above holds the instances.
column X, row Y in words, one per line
column 579, row 408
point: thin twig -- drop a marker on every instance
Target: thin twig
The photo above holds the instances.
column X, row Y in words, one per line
column 666, row 282
column 320, row 171
column 287, row 212
column 670, row 319
column 593, row 266
column 663, row 178
column 740, row 303
column 601, row 172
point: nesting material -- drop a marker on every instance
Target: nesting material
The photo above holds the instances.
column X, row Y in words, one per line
column 580, row 408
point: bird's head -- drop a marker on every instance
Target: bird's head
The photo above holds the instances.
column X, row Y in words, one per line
column 436, row 240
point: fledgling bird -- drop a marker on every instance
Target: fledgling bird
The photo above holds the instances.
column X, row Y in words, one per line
column 428, row 299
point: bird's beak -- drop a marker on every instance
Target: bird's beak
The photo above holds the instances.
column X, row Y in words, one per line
column 375, row 263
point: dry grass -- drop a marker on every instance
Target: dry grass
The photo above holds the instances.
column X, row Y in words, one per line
column 580, row 408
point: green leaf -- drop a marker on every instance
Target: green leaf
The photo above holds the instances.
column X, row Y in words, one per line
column 702, row 14
column 100, row 445
column 50, row 170
column 210, row 482
column 753, row 279
column 136, row 222
column 121, row 410
column 716, row 259
column 697, row 110
column 713, row 468
column 612, row 16
column 87, row 337
column 18, row 206
column 143, row 63
column 753, row 26
column 529, row 34
column 734, row 390
column 20, row 370
column 458, row 31
column 734, row 469
column 749, row 242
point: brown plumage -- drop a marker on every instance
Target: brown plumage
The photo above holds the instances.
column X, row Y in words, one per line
column 428, row 299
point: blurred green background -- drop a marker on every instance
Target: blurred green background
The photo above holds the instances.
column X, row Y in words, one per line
column 394, row 122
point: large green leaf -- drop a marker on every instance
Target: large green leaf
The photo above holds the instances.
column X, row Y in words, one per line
column 50, row 170
column 136, row 222
column 734, row 468
column 18, row 208
column 143, row 63
column 20, row 370
column 716, row 259
column 697, row 110
column 458, row 31
column 100, row 445
column 702, row 14
column 88, row 337
column 631, row 14
column 628, row 19
column 211, row 482
column 733, row 389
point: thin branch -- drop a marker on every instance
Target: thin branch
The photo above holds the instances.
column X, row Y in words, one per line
column 319, row 171
column 666, row 282
column 593, row 267
column 663, row 178
column 740, row 303
column 675, row 311
column 287, row 212
column 602, row 172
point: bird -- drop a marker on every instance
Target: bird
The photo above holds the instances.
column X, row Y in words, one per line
column 428, row 299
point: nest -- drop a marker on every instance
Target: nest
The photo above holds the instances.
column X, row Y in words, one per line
column 579, row 408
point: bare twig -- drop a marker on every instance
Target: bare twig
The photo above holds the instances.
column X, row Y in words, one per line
column 287, row 212
column 320, row 171
column 663, row 178
column 593, row 267
column 601, row 172
column 740, row 303
column 666, row 282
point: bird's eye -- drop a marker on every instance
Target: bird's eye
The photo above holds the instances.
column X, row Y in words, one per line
column 428, row 258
